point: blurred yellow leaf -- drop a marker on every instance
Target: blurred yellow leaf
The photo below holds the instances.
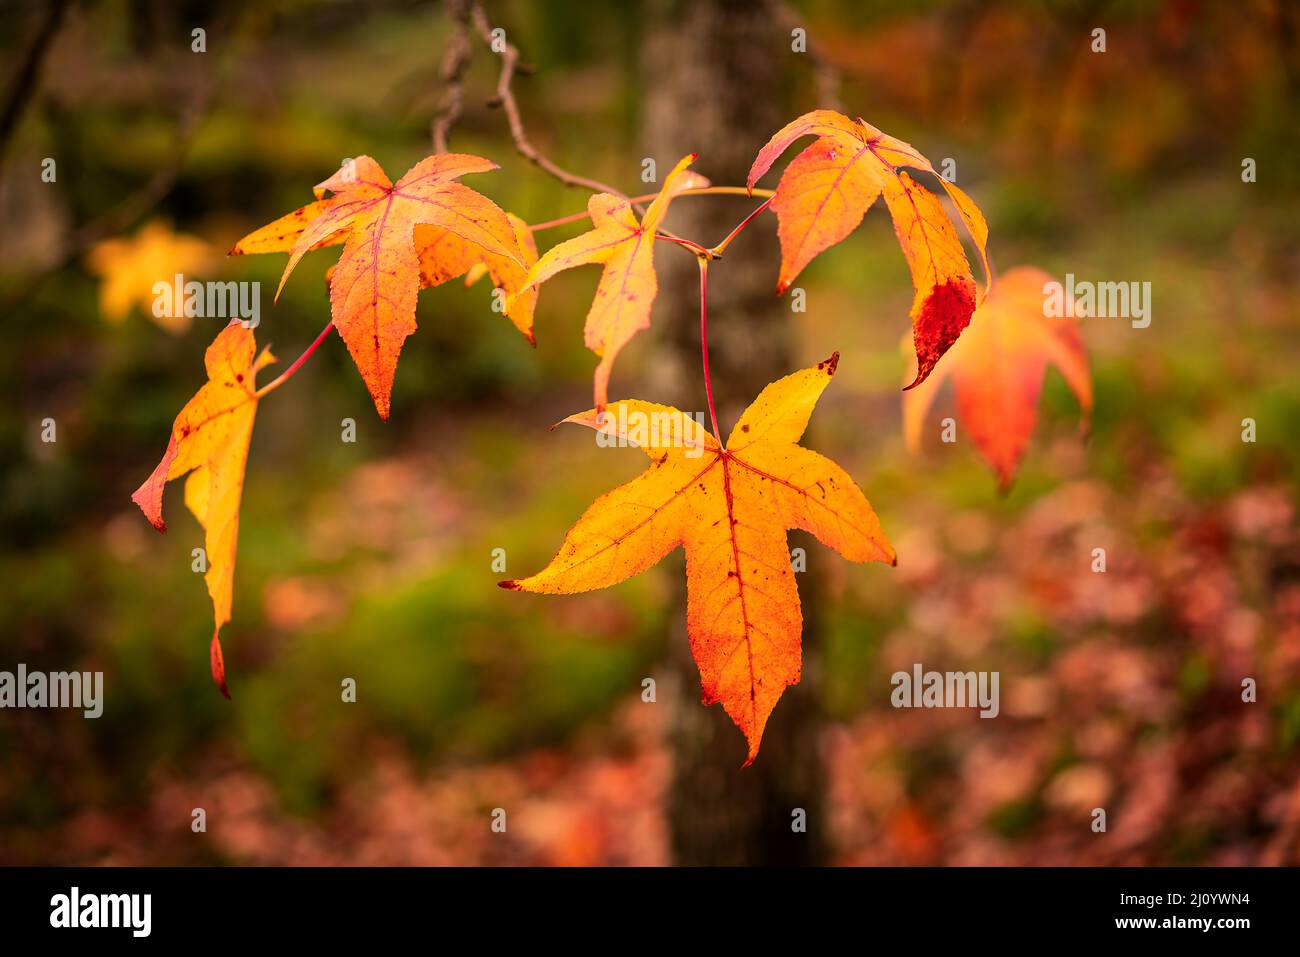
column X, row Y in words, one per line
column 129, row 268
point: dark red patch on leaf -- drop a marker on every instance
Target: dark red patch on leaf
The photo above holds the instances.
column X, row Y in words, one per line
column 150, row 493
column 218, row 665
column 945, row 313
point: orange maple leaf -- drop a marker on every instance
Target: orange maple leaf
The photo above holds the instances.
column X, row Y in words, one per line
column 209, row 440
column 373, row 287
column 625, row 247
column 997, row 370
column 444, row 256
column 826, row 190
column 730, row 507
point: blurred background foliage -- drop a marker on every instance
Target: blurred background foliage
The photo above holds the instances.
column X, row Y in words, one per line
column 373, row 560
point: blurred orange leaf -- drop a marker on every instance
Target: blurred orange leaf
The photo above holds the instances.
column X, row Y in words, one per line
column 827, row 189
column 997, row 370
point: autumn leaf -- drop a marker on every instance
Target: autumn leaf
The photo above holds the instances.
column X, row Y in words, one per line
column 730, row 507
column 209, row 440
column 445, row 256
column 997, row 370
column 129, row 268
column 281, row 235
column 627, row 288
column 374, row 286
column 827, row 189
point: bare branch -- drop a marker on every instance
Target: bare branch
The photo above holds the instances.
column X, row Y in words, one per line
column 28, row 71
column 133, row 206
column 455, row 60
column 825, row 75
column 505, row 98
column 148, row 195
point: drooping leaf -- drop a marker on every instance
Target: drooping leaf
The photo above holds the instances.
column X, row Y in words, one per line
column 627, row 288
column 209, row 440
column 827, row 189
column 373, row 287
column 945, row 297
column 997, row 370
column 730, row 507
column 130, row 267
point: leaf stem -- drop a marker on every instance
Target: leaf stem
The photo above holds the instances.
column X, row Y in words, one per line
column 704, row 341
column 726, row 191
column 698, row 191
column 719, row 249
column 693, row 247
column 288, row 373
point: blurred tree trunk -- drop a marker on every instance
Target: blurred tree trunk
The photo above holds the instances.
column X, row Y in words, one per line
column 711, row 75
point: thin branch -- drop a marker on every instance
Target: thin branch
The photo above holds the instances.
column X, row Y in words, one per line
column 455, row 60
column 725, row 191
column 825, row 75
column 121, row 216
column 505, row 98
column 697, row 191
column 29, row 70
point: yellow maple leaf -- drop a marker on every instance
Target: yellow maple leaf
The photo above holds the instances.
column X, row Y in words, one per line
column 627, row 288
column 445, row 255
column 209, row 440
column 129, row 268
column 730, row 508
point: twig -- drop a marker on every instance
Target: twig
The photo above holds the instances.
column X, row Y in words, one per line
column 694, row 247
column 129, row 209
column 697, row 191
column 455, row 60
column 505, row 98
column 28, row 71
column 825, row 75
